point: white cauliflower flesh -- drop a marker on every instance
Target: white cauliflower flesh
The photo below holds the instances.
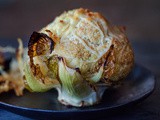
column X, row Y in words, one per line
column 80, row 54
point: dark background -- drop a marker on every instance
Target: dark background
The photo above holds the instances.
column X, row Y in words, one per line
column 141, row 17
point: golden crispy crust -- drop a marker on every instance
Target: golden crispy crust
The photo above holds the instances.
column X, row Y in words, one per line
column 86, row 40
column 121, row 58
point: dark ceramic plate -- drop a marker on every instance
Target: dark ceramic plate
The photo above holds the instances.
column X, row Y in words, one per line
column 137, row 86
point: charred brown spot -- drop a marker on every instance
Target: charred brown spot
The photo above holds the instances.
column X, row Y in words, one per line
column 109, row 65
column 24, row 77
column 78, row 70
column 90, row 14
column 60, row 58
column 39, row 73
column 110, row 52
column 49, row 32
column 61, row 21
column 39, row 44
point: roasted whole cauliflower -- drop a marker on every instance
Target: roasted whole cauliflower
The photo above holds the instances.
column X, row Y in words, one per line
column 80, row 54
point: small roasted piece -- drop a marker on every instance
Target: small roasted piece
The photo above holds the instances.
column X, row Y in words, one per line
column 11, row 77
column 80, row 54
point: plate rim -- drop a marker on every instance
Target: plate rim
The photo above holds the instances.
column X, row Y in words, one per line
column 139, row 97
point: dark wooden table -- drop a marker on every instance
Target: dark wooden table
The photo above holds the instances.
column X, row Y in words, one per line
column 141, row 17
